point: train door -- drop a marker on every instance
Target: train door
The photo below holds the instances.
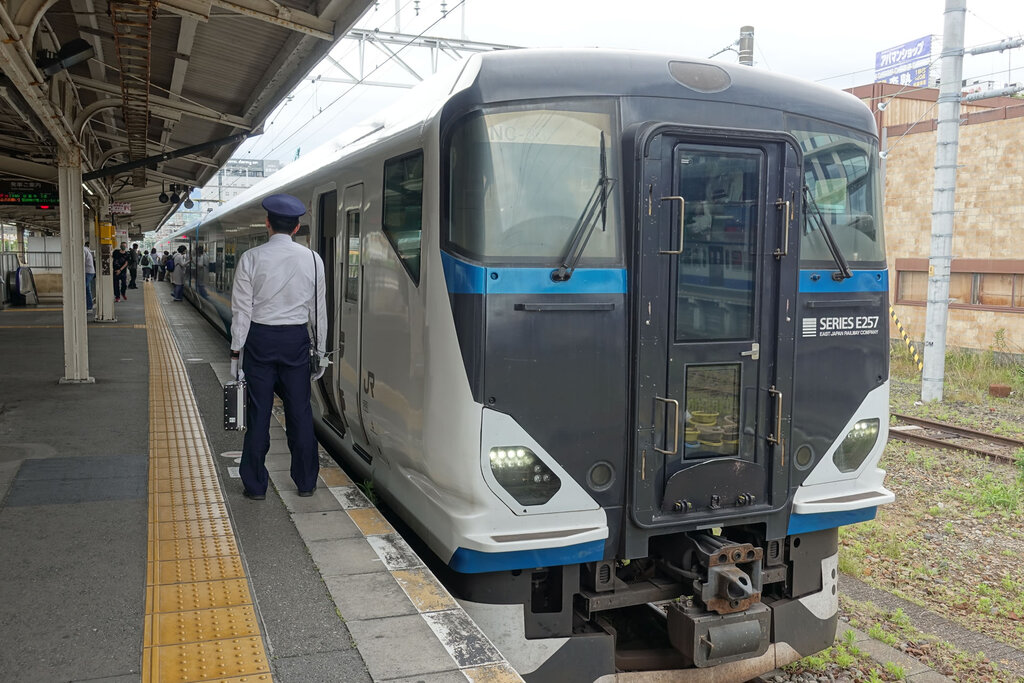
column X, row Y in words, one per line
column 715, row 345
column 326, row 245
column 350, row 258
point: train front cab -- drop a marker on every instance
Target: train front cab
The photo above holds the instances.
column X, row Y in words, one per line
column 748, row 395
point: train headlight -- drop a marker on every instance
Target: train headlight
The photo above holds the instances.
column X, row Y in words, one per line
column 520, row 472
column 857, row 445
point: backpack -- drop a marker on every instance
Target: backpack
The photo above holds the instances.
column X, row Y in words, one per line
column 170, row 264
column 145, row 261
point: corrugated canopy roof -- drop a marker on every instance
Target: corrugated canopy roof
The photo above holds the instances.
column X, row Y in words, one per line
column 163, row 77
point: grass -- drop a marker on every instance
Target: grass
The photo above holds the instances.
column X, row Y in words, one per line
column 968, row 373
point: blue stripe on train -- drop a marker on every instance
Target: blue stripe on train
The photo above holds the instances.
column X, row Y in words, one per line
column 467, row 278
column 820, row 281
column 476, row 562
column 802, row 524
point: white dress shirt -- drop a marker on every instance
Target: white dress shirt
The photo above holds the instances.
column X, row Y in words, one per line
column 90, row 264
column 273, row 285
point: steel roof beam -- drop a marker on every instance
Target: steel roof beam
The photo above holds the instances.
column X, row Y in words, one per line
column 157, row 102
column 261, row 10
column 166, row 156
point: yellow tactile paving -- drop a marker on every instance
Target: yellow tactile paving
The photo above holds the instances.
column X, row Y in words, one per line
column 205, row 624
column 208, row 660
column 200, row 621
column 371, row 522
column 424, row 590
column 202, row 595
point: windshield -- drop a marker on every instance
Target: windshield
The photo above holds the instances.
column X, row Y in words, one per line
column 519, row 181
column 841, row 174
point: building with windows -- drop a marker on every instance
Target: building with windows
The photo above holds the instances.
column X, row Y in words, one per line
column 987, row 280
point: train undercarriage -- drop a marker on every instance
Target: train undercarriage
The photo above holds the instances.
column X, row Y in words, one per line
column 702, row 605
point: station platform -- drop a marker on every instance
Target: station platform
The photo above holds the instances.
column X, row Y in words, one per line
column 130, row 553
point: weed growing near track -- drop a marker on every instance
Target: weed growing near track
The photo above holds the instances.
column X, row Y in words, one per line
column 895, row 629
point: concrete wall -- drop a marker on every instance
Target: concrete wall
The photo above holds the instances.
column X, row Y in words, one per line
column 989, row 223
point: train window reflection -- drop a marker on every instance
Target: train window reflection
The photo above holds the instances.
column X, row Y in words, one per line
column 403, row 208
column 840, row 172
column 520, row 179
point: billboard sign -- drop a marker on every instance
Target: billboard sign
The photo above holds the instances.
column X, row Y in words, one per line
column 914, row 78
column 903, row 58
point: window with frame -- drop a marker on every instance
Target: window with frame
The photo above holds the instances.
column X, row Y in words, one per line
column 987, row 285
column 403, row 209
column 352, row 262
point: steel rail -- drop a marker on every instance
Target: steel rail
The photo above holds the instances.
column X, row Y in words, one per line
column 963, row 432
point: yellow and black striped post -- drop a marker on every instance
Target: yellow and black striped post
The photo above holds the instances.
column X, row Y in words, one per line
column 906, row 339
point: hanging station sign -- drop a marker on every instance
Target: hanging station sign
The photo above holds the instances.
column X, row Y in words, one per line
column 120, row 208
column 28, row 193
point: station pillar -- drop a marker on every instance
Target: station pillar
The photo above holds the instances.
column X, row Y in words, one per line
column 104, row 272
column 72, row 250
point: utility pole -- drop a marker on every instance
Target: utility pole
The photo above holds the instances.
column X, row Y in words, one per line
column 947, row 138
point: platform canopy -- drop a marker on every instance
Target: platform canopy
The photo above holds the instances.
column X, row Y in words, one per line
column 144, row 94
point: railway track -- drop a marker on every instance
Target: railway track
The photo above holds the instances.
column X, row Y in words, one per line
column 943, row 435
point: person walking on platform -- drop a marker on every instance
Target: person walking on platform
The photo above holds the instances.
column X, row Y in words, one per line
column 133, row 265
column 154, row 264
column 278, row 290
column 163, row 265
column 146, row 264
column 180, row 264
column 90, row 275
column 120, row 263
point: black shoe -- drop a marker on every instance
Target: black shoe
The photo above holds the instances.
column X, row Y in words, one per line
column 307, row 494
column 253, row 496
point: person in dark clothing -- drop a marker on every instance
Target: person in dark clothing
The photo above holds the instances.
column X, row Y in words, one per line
column 133, row 265
column 278, row 292
column 163, row 265
column 120, row 264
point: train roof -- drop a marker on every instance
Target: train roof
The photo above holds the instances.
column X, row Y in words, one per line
column 540, row 73
column 508, row 75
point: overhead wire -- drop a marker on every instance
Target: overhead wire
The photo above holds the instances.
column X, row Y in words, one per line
column 376, row 68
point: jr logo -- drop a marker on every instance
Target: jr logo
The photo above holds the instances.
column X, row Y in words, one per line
column 368, row 384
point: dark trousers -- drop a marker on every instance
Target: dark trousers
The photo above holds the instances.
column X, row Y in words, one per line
column 276, row 359
column 120, row 284
column 135, row 273
column 178, row 292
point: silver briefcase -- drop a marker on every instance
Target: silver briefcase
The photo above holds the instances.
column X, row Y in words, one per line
column 234, row 405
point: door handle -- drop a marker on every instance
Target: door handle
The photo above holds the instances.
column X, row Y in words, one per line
column 787, row 218
column 754, row 353
column 675, row 440
column 776, row 437
column 682, row 217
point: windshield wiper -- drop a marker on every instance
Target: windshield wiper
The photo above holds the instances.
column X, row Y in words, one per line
column 595, row 208
column 830, row 241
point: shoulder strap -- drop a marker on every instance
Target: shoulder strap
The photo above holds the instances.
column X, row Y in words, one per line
column 316, row 305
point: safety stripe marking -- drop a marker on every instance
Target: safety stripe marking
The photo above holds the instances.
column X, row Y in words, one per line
column 200, row 621
column 906, row 339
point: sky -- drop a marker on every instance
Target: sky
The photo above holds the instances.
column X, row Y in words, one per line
column 828, row 42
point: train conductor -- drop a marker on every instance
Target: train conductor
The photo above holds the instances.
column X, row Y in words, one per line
column 272, row 301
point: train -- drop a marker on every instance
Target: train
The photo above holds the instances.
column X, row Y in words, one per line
column 608, row 332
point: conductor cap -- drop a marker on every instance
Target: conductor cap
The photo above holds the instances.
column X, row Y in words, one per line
column 284, row 205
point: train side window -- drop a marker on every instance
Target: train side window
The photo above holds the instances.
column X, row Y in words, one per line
column 403, row 208
column 352, row 256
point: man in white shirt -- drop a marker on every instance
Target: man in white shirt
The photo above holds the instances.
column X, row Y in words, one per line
column 272, row 301
column 90, row 275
